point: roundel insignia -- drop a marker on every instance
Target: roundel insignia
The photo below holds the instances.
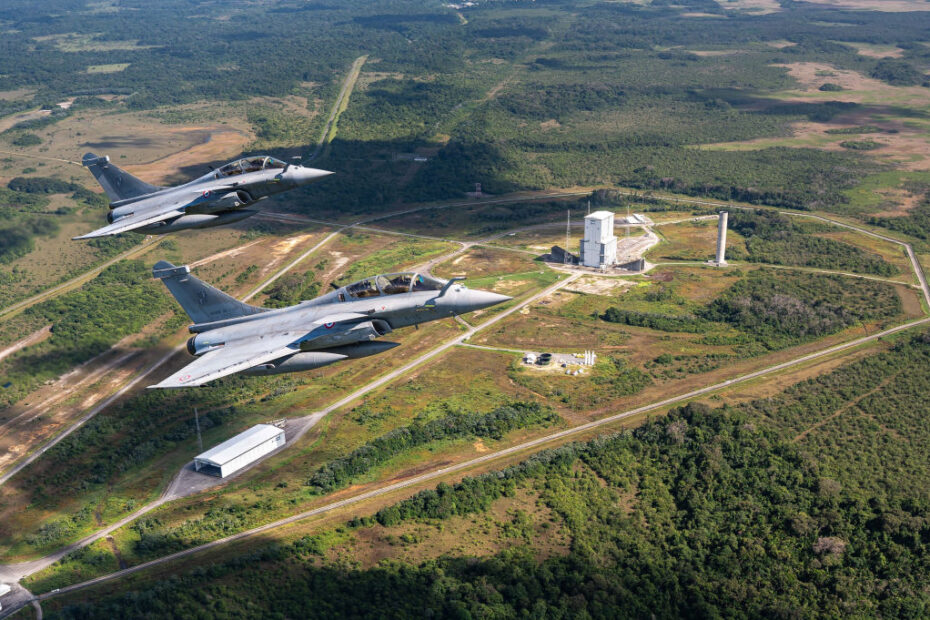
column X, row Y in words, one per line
column 328, row 325
column 184, row 378
column 206, row 193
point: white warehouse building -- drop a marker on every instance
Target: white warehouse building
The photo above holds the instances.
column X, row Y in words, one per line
column 599, row 246
column 239, row 451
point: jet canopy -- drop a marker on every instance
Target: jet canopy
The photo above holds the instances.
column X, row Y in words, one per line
column 393, row 284
column 250, row 164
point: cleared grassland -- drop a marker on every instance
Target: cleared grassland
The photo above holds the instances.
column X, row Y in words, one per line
column 115, row 67
column 480, row 262
column 693, row 241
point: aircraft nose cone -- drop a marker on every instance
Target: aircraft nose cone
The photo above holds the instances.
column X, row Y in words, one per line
column 476, row 300
column 308, row 175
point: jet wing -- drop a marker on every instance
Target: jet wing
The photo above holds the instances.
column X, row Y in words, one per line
column 231, row 359
column 132, row 222
column 175, row 205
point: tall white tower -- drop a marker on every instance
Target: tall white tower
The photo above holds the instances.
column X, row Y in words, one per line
column 722, row 239
column 599, row 246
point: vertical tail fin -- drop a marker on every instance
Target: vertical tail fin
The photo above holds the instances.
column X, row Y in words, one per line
column 201, row 302
column 117, row 183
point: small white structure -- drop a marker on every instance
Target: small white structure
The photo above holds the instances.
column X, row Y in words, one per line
column 239, row 451
column 599, row 246
column 530, row 358
column 721, row 259
column 635, row 219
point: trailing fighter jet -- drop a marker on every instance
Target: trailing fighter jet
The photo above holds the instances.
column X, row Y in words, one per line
column 217, row 198
column 232, row 337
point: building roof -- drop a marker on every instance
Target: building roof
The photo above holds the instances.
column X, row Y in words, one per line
column 243, row 442
column 599, row 215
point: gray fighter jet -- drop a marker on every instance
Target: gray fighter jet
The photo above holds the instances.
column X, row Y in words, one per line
column 231, row 336
column 220, row 197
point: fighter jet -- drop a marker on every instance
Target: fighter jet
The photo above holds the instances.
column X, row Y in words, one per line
column 219, row 197
column 234, row 337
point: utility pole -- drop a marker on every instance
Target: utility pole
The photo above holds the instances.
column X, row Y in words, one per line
column 568, row 235
column 197, row 424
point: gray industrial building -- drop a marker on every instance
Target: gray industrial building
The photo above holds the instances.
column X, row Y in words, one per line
column 599, row 246
column 239, row 451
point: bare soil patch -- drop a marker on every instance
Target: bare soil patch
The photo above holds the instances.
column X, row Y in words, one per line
column 714, row 53
column 31, row 339
column 910, row 301
column 10, row 121
column 210, row 144
column 813, row 75
column 756, row 7
column 876, row 51
column 600, row 286
column 478, row 262
column 903, row 200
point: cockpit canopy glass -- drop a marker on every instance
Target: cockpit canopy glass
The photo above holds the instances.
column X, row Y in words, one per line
column 427, row 283
column 393, row 284
column 250, row 164
column 363, row 288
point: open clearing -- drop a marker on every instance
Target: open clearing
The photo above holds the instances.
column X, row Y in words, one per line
column 903, row 137
column 88, row 42
column 873, row 50
column 753, row 7
column 857, row 87
column 115, row 67
column 887, row 6
column 156, row 152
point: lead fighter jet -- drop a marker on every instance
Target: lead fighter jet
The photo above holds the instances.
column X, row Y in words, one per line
column 219, row 197
column 231, row 336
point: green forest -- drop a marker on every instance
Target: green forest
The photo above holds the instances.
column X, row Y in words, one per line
column 779, row 240
column 773, row 310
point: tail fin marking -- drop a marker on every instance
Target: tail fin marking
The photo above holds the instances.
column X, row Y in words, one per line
column 202, row 302
column 117, row 183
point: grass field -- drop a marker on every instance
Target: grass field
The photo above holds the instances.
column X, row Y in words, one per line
column 115, row 67
column 694, row 241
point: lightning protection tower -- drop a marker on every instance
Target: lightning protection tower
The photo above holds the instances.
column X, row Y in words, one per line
column 722, row 239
